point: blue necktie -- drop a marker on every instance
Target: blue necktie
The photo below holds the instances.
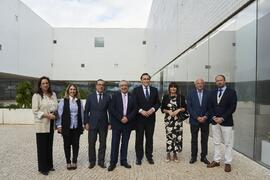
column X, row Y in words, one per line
column 200, row 97
column 220, row 92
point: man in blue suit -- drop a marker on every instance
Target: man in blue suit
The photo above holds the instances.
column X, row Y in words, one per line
column 97, row 123
column 197, row 104
column 148, row 103
column 222, row 104
column 122, row 113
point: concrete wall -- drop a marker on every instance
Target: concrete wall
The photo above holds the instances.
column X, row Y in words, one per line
column 122, row 57
column 26, row 41
column 16, row 116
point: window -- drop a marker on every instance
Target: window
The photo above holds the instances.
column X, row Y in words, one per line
column 99, row 42
column 82, row 65
column 54, row 41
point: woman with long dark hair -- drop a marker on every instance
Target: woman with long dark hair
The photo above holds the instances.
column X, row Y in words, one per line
column 44, row 106
column 70, row 123
column 172, row 105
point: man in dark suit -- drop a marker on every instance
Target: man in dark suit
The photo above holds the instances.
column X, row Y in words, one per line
column 122, row 113
column 222, row 104
column 197, row 104
column 97, row 123
column 148, row 103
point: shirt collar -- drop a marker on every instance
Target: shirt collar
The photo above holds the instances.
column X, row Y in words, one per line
column 124, row 94
column 223, row 88
column 146, row 87
column 199, row 91
column 99, row 93
column 73, row 99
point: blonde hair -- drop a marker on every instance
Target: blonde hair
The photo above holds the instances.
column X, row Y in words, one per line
column 77, row 95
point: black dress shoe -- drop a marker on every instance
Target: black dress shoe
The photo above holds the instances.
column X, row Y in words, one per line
column 102, row 165
column 151, row 161
column 139, row 162
column 91, row 165
column 205, row 160
column 45, row 173
column 52, row 169
column 126, row 165
column 192, row 160
column 111, row 167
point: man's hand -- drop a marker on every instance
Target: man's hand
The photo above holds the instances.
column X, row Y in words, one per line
column 124, row 120
column 150, row 111
column 144, row 113
column 218, row 120
column 201, row 119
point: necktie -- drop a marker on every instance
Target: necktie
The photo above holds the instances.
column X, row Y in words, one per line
column 99, row 97
column 200, row 97
column 124, row 104
column 220, row 92
column 147, row 93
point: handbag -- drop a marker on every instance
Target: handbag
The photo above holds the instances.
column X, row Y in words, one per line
column 182, row 115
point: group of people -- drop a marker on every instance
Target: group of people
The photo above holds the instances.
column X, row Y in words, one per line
column 125, row 111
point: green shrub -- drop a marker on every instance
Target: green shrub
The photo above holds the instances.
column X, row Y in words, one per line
column 24, row 94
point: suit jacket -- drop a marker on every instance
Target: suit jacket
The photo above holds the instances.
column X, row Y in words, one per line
column 96, row 114
column 195, row 109
column 225, row 108
column 116, row 110
column 40, row 106
column 144, row 104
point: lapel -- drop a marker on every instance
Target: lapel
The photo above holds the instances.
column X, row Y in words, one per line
column 129, row 101
column 204, row 98
column 224, row 94
column 142, row 93
column 121, row 101
column 197, row 96
column 102, row 100
column 94, row 98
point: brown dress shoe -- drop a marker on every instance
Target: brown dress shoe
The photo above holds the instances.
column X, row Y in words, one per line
column 213, row 164
column 228, row 168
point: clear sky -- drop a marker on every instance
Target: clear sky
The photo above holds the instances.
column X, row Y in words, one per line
column 93, row 13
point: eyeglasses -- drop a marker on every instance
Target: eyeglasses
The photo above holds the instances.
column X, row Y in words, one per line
column 101, row 84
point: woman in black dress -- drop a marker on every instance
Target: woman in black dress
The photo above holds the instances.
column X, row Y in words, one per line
column 172, row 104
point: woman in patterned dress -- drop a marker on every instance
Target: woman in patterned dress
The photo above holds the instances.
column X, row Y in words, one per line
column 172, row 104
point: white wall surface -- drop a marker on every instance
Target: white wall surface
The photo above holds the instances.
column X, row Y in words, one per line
column 176, row 24
column 26, row 41
column 75, row 46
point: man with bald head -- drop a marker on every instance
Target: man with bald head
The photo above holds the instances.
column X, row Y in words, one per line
column 197, row 104
column 122, row 112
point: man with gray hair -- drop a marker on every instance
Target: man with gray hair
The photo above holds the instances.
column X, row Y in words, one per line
column 197, row 105
column 122, row 112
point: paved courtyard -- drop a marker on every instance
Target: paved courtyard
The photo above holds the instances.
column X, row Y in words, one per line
column 18, row 160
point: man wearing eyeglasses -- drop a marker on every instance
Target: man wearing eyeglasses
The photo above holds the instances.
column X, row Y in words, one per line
column 148, row 103
column 97, row 123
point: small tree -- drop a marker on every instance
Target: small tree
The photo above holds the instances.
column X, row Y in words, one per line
column 24, row 94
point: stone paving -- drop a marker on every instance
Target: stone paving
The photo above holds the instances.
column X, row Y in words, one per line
column 18, row 160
